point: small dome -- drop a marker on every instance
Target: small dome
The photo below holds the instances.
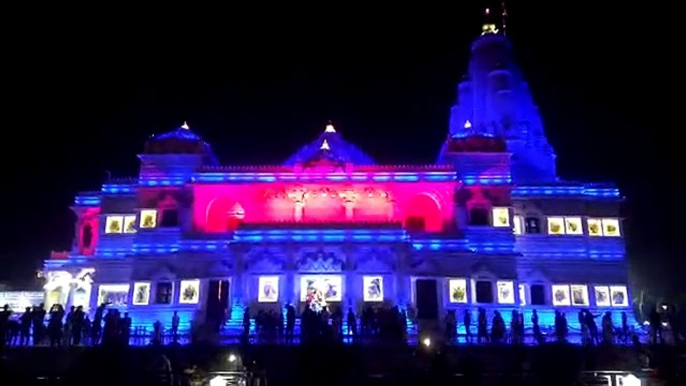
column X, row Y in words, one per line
column 179, row 141
column 330, row 146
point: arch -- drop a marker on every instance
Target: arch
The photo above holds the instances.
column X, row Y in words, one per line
column 479, row 216
column 223, row 214
column 423, row 213
column 87, row 236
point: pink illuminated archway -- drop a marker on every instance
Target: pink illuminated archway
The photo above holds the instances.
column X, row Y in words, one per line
column 423, row 213
column 224, row 214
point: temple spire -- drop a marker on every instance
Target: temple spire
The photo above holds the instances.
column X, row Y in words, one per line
column 185, row 126
column 503, row 8
column 325, row 145
column 329, row 128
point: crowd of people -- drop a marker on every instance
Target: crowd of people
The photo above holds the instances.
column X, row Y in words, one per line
column 73, row 328
column 59, row 328
column 382, row 323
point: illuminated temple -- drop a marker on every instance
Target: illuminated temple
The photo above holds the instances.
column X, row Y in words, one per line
column 489, row 225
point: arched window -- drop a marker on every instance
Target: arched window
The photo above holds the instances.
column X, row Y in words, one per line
column 423, row 214
column 224, row 214
column 87, row 236
column 479, row 217
column 170, row 218
column 532, row 225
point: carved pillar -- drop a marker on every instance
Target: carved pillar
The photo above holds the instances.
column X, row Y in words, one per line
column 349, row 197
column 290, row 276
column 402, row 280
column 238, row 273
column 298, row 211
column 351, row 290
column 76, row 244
column 462, row 196
column 349, row 210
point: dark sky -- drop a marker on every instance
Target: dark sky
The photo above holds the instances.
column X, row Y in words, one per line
column 83, row 91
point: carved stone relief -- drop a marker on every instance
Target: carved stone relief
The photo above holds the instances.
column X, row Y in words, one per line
column 424, row 266
column 376, row 260
column 164, row 271
column 320, row 261
column 264, row 260
column 216, row 267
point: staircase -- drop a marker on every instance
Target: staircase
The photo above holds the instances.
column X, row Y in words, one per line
column 234, row 324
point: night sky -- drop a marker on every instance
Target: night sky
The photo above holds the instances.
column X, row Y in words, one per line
column 83, row 93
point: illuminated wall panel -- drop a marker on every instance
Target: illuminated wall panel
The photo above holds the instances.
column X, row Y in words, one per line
column 573, row 226
column 148, row 219
column 372, row 287
column 501, row 217
column 141, row 294
column 610, row 227
column 506, row 294
column 115, row 295
column 556, row 225
column 268, row 289
column 189, row 292
column 214, row 205
column 326, row 287
column 457, row 290
column 561, row 295
column 579, row 295
column 19, row 300
column 602, row 296
column 619, row 296
column 114, row 224
column 522, row 294
column 130, row 224
column 517, row 225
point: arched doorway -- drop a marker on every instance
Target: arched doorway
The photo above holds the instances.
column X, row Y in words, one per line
column 224, row 215
column 423, row 214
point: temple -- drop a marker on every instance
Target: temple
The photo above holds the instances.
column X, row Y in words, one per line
column 490, row 225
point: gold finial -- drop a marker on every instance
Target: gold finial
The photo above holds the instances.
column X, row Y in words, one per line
column 488, row 27
column 329, row 128
column 185, row 126
column 325, row 145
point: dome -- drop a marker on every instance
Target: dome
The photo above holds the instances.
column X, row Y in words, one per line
column 330, row 147
column 179, row 141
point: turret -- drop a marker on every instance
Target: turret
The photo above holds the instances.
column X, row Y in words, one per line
column 175, row 155
column 494, row 99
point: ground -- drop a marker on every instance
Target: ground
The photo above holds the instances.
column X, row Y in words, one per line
column 333, row 364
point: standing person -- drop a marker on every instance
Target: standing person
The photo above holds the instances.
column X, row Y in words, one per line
column 25, row 325
column 290, row 323
column 468, row 325
column 175, row 327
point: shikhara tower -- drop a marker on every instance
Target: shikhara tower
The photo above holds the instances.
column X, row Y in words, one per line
column 489, row 226
column 494, row 100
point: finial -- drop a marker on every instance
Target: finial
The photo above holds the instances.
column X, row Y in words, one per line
column 329, row 128
column 467, row 124
column 325, row 145
column 185, row 126
column 489, row 26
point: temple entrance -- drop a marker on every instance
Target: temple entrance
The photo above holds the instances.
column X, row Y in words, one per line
column 217, row 305
column 426, row 295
